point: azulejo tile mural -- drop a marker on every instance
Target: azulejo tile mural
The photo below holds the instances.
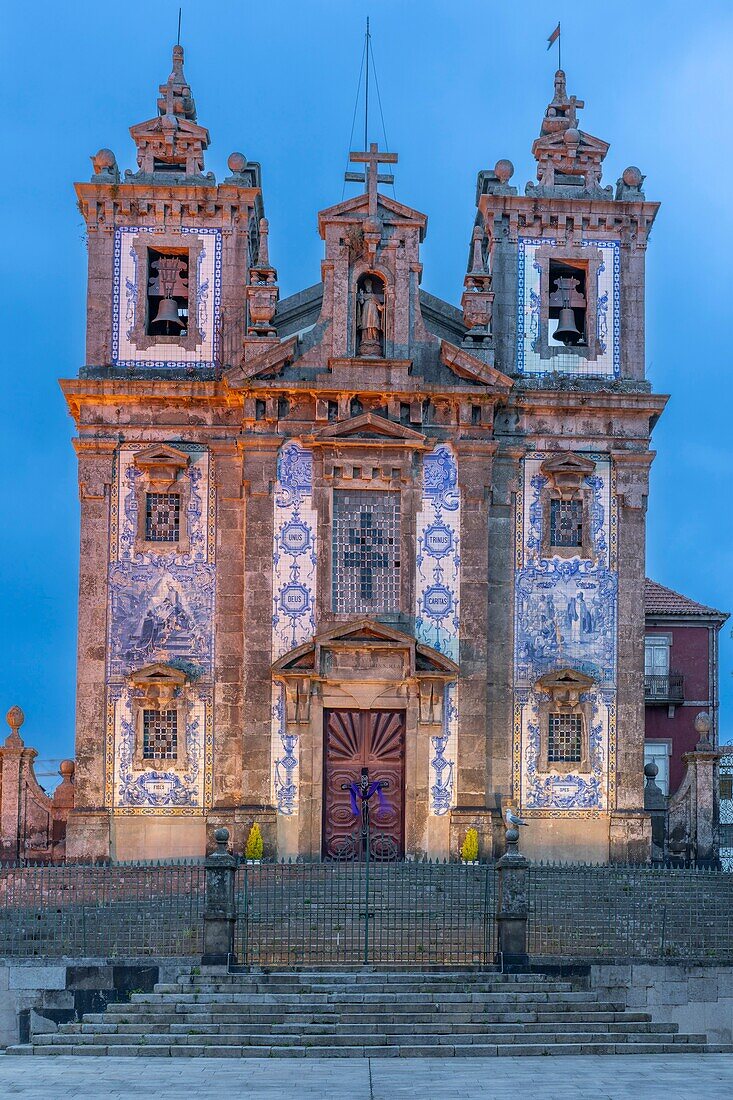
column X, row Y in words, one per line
column 129, row 291
column 437, row 617
column 293, row 600
column 565, row 616
column 161, row 611
column 607, row 322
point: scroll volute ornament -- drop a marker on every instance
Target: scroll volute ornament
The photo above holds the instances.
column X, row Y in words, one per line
column 566, row 473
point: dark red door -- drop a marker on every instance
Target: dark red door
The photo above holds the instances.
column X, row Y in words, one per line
column 356, row 739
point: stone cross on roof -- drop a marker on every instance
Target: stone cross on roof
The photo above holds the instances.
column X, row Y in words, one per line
column 371, row 175
column 175, row 95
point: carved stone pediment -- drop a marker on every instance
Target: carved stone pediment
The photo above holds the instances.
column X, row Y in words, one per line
column 565, row 686
column 161, row 462
column 370, row 637
column 567, row 472
column 367, row 426
column 364, row 664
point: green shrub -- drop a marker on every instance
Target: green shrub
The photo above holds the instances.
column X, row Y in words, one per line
column 254, row 847
column 469, row 848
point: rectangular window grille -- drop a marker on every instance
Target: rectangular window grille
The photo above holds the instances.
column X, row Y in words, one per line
column 162, row 517
column 365, row 551
column 566, row 523
column 726, row 788
column 726, row 836
column 160, row 734
column 565, row 741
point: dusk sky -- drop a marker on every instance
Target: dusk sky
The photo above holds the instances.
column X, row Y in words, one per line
column 462, row 84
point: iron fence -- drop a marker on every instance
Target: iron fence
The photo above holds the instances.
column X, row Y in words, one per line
column 106, row 910
column 621, row 911
column 403, row 913
column 409, row 913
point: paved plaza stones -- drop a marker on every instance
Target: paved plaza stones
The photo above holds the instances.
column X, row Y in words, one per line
column 604, row 1078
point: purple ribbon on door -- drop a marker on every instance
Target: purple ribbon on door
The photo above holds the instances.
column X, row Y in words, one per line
column 355, row 792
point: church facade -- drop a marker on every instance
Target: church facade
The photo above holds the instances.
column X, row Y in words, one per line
column 361, row 531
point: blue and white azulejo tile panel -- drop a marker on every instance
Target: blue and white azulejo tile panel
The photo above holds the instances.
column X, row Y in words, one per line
column 161, row 610
column 437, row 608
column 607, row 321
column 565, row 616
column 129, row 297
column 293, row 600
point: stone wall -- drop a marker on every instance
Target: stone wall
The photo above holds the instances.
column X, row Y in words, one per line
column 697, row 997
column 36, row 996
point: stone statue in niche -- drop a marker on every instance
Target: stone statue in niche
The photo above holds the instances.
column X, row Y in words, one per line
column 370, row 318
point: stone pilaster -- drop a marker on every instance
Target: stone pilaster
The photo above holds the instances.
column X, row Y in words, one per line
column 474, row 478
column 88, row 827
column 632, row 486
column 260, row 475
column 229, row 634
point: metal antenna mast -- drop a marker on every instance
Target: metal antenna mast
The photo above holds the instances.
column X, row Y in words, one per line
column 366, row 96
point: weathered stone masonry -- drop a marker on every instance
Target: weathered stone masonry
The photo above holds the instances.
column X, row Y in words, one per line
column 360, row 527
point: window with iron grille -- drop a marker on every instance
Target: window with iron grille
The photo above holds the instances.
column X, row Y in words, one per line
column 566, row 522
column 565, row 741
column 726, row 836
column 160, row 734
column 162, row 517
column 726, row 788
column 365, row 551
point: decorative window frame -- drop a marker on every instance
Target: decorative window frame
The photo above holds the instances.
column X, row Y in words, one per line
column 159, row 687
column 592, row 260
column 372, row 485
column 565, row 476
column 193, row 246
column 565, row 691
column 162, row 468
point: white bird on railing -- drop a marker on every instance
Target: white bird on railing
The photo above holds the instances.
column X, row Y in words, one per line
column 512, row 818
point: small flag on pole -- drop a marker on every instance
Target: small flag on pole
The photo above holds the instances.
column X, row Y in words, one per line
column 554, row 36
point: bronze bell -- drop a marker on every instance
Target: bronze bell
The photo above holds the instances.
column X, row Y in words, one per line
column 168, row 313
column 566, row 331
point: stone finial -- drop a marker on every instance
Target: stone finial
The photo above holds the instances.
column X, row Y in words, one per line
column 263, row 251
column 221, row 836
column 702, row 728
column 67, row 769
column 477, row 262
column 629, row 187
column 175, row 95
column 15, row 719
column 105, row 167
column 568, row 160
column 503, row 170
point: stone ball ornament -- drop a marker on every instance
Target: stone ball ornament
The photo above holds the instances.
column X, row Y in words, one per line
column 105, row 158
column 503, row 170
column 237, row 163
column 702, row 724
column 221, row 836
column 632, row 177
column 67, row 769
column 651, row 771
column 572, row 136
column 15, row 718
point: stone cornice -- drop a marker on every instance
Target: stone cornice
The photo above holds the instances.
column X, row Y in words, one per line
column 531, row 216
column 554, row 401
column 107, row 205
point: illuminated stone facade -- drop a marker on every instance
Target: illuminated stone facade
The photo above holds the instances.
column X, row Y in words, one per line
column 361, row 500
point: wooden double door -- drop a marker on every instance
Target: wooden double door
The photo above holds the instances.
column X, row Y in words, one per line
column 357, row 739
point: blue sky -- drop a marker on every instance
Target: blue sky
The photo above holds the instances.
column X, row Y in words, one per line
column 462, row 84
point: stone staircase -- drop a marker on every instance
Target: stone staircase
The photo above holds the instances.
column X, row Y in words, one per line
column 366, row 1013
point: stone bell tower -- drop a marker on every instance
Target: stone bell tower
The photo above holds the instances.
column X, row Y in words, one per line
column 566, row 264
column 170, row 251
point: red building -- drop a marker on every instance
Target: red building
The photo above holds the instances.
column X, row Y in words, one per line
column 680, row 677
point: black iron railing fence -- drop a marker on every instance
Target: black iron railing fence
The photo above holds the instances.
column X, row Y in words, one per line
column 123, row 909
column 407, row 913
